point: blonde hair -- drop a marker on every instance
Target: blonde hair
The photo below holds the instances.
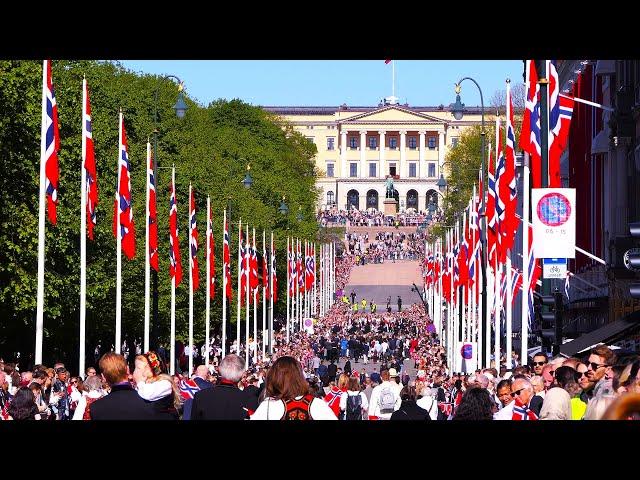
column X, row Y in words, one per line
column 598, row 406
column 343, row 381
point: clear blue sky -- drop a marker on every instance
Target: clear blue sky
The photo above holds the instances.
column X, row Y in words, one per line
column 334, row 82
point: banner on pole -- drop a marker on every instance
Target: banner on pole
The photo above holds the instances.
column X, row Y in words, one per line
column 554, row 222
column 554, row 268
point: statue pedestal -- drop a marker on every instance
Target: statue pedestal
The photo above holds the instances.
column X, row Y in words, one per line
column 390, row 206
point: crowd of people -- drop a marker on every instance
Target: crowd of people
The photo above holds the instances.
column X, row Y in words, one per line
column 389, row 246
column 369, row 218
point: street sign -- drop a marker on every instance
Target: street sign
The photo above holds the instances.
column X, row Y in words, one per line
column 554, row 268
column 554, row 222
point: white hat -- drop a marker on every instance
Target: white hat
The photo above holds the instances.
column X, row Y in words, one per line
column 393, row 372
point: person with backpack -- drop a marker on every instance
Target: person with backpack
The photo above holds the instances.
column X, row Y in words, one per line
column 288, row 396
column 384, row 399
column 354, row 403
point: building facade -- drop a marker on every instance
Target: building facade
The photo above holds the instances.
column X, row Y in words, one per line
column 358, row 147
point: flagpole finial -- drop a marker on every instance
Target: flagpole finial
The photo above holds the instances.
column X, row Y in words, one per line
column 508, row 80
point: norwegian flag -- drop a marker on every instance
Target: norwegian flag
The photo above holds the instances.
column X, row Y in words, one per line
column 211, row 255
column 254, row 280
column 508, row 189
column 558, row 137
column 89, row 162
column 522, row 412
column 193, row 241
column 309, row 268
column 265, row 269
column 274, row 276
column 226, row 259
column 516, row 284
column 152, row 221
column 530, row 134
column 492, row 216
column 175, row 264
column 242, row 266
column 50, row 142
column 299, row 269
column 122, row 208
column 292, row 271
column 188, row 388
column 4, row 413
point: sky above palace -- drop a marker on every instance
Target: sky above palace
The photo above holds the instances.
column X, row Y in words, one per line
column 334, row 82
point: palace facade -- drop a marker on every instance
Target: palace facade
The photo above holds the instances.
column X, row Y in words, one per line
column 358, row 147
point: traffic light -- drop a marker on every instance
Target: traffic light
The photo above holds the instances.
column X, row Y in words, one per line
column 551, row 321
column 632, row 259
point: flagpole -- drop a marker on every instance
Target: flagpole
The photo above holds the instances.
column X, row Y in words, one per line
column 239, row 286
column 255, row 301
column 224, row 282
column 172, row 341
column 190, row 289
column 264, row 295
column 147, row 270
column 272, row 264
column 247, row 257
column 83, row 234
column 490, row 274
column 288, row 287
column 509, row 310
column 207, row 306
column 118, row 340
column 498, row 313
column 524, row 322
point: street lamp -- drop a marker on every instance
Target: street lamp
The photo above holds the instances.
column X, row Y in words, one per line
column 441, row 183
column 248, row 181
column 180, row 108
column 284, row 210
column 299, row 216
column 457, row 110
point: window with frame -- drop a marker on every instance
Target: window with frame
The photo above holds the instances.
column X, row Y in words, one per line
column 412, row 169
column 353, row 169
column 454, row 141
column 329, row 197
column 330, row 171
column 413, row 144
column 311, row 139
column 431, row 169
column 353, row 143
column 393, row 143
column 373, row 143
column 331, row 143
column 431, row 143
column 372, row 170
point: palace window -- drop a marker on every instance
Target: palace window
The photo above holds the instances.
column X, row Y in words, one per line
column 373, row 143
column 331, row 143
column 413, row 143
column 431, row 169
column 372, row 170
column 393, row 143
column 454, row 141
column 353, row 143
column 330, row 167
column 431, row 143
column 412, row 169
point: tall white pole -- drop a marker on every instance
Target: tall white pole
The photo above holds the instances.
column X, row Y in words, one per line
column 207, row 306
column 264, row 296
column 190, row 289
column 490, row 305
column 255, row 306
column 147, row 267
column 247, row 257
column 41, row 208
column 271, row 289
column 118, row 344
column 239, row 289
column 509, row 310
column 498, row 314
column 224, row 283
column 172, row 341
column 287, row 287
column 524, row 330
column 83, row 235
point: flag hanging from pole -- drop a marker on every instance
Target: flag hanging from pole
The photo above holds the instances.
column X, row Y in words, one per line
column 122, row 203
column 254, row 281
column 226, row 259
column 274, row 277
column 52, row 144
column 175, row 265
column 508, row 188
column 242, row 267
column 212, row 257
column 292, row 270
column 153, row 218
column 265, row 270
column 530, row 134
column 193, row 241
column 89, row 162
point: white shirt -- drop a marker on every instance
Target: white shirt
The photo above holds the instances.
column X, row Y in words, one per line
column 505, row 413
column 82, row 403
column 430, row 404
column 374, row 408
column 270, row 409
column 154, row 390
column 350, row 393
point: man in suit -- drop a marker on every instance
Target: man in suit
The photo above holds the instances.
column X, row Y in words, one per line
column 202, row 372
column 225, row 401
column 123, row 403
column 332, row 369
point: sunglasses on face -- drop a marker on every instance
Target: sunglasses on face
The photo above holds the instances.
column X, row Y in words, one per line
column 595, row 366
column 539, row 364
column 581, row 374
column 517, row 392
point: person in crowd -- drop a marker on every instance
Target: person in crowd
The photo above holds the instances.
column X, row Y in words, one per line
column 157, row 387
column 123, row 402
column 225, row 401
column 409, row 409
column 521, row 392
column 426, row 399
column 538, row 389
column 476, row 404
column 43, row 408
column 23, row 406
column 599, row 370
column 288, row 397
column 92, row 392
column 539, row 361
column 385, row 398
column 503, row 392
column 354, row 402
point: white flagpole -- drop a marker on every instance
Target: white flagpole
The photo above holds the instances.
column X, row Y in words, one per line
column 316, row 289
column 190, row 290
column 247, row 256
column 264, row 296
column 172, row 341
column 271, row 285
column 491, row 276
column 224, row 285
column 207, row 306
column 465, row 316
column 118, row 344
column 41, row 210
column 239, row 287
column 524, row 322
column 147, row 268
column 509, row 317
column 288, row 282
column 497, row 314
column 255, row 306
column 320, row 300
column 83, row 234
column 451, row 308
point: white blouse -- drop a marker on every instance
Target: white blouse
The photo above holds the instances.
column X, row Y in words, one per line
column 154, row 390
column 271, row 409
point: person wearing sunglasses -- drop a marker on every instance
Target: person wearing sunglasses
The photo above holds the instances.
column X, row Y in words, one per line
column 599, row 372
column 518, row 409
